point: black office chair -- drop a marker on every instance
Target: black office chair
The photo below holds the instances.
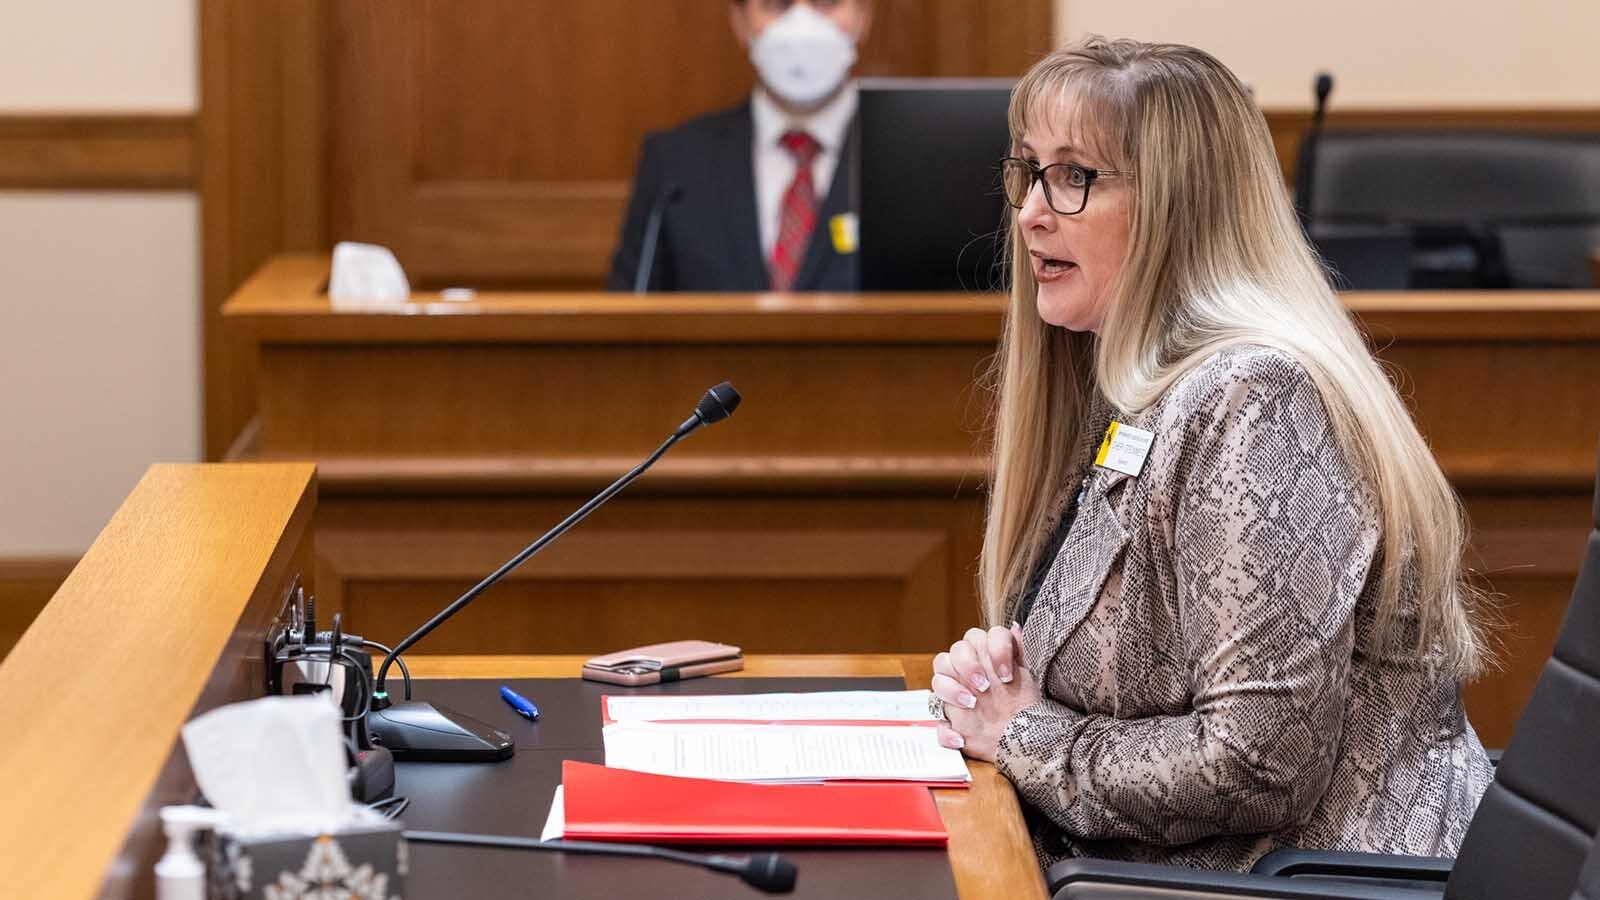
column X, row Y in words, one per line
column 1589, row 879
column 1483, row 209
column 1527, row 841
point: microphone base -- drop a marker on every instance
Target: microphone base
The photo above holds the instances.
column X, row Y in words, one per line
column 417, row 731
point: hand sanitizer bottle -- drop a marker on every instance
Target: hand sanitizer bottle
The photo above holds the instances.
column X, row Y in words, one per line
column 180, row 875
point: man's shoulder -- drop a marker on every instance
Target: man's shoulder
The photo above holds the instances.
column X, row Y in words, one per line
column 700, row 130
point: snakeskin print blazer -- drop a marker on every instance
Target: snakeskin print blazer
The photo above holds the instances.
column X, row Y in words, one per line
column 1201, row 644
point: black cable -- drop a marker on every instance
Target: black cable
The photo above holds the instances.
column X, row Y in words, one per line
column 768, row 872
column 350, row 661
column 366, row 686
column 405, row 673
column 390, row 808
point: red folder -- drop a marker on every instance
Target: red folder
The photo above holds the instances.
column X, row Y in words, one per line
column 621, row 805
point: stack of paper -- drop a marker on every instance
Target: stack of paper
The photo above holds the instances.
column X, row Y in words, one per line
column 880, row 707
column 782, row 738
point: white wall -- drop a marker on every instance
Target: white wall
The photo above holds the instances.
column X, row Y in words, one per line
column 97, row 55
column 99, row 291
column 1382, row 53
column 100, row 355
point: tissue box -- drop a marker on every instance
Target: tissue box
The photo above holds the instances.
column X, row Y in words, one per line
column 364, row 862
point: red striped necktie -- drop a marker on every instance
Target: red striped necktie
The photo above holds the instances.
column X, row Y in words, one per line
column 797, row 217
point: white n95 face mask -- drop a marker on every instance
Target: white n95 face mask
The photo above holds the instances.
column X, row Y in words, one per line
column 802, row 56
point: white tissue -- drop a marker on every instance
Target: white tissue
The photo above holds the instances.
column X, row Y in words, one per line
column 366, row 276
column 273, row 765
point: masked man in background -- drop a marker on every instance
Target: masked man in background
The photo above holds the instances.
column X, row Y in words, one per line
column 757, row 197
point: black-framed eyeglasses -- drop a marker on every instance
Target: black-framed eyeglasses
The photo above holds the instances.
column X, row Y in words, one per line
column 1066, row 185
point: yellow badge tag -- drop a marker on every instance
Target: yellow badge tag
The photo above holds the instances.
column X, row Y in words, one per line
column 1124, row 448
column 846, row 232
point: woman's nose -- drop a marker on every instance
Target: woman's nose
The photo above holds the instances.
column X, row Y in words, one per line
column 1036, row 212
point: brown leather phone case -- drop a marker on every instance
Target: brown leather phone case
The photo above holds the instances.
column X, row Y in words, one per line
column 658, row 663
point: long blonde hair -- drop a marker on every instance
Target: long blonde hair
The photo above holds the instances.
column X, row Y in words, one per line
column 1215, row 258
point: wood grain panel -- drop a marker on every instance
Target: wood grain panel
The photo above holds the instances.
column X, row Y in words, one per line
column 768, row 589
column 26, row 585
column 1528, row 544
column 97, row 152
column 207, row 549
column 498, row 231
column 263, row 125
column 469, row 403
column 991, row 853
column 1555, row 424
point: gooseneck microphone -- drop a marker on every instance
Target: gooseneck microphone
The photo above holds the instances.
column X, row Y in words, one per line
column 652, row 237
column 767, row 872
column 1306, row 165
column 416, row 730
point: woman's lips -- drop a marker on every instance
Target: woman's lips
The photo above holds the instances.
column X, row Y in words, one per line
column 1047, row 269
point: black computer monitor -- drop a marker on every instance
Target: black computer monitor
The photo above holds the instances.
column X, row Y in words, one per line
column 932, row 214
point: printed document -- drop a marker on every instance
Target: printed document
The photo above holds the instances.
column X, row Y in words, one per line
column 783, row 753
column 836, row 706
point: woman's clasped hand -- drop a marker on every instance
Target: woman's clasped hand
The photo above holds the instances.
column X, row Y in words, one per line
column 983, row 681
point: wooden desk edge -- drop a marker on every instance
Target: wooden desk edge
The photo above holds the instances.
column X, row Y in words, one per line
column 93, row 696
column 988, row 861
column 284, row 302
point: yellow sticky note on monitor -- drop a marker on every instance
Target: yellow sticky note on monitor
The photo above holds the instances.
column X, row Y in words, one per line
column 846, row 231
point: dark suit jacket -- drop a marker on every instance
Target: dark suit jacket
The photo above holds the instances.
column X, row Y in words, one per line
column 710, row 239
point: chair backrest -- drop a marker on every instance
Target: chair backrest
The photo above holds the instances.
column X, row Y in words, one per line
column 1589, row 879
column 1534, row 197
column 1536, row 823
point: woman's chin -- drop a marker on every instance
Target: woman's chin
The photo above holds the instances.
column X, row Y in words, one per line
column 1061, row 308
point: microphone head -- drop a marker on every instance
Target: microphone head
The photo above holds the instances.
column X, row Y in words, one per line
column 718, row 404
column 769, row 872
column 1324, row 86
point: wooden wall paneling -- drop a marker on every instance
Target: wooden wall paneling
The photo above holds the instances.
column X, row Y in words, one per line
column 97, row 152
column 26, row 585
column 772, row 574
column 1528, row 544
column 1536, row 432
column 525, row 183
column 957, row 38
column 566, row 230
column 372, row 104
column 467, row 404
column 263, row 127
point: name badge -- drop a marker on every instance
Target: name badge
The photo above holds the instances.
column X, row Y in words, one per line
column 1124, row 448
column 845, row 229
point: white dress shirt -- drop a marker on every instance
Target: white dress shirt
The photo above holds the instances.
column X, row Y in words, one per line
column 774, row 166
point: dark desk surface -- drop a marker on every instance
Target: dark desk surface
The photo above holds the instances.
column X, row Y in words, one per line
column 513, row 797
column 989, row 855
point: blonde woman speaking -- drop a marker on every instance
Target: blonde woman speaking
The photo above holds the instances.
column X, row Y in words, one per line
column 1222, row 568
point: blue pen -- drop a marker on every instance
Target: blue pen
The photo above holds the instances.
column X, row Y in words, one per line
column 521, row 704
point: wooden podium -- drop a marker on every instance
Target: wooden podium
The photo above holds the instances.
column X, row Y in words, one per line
column 166, row 617
column 839, row 510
